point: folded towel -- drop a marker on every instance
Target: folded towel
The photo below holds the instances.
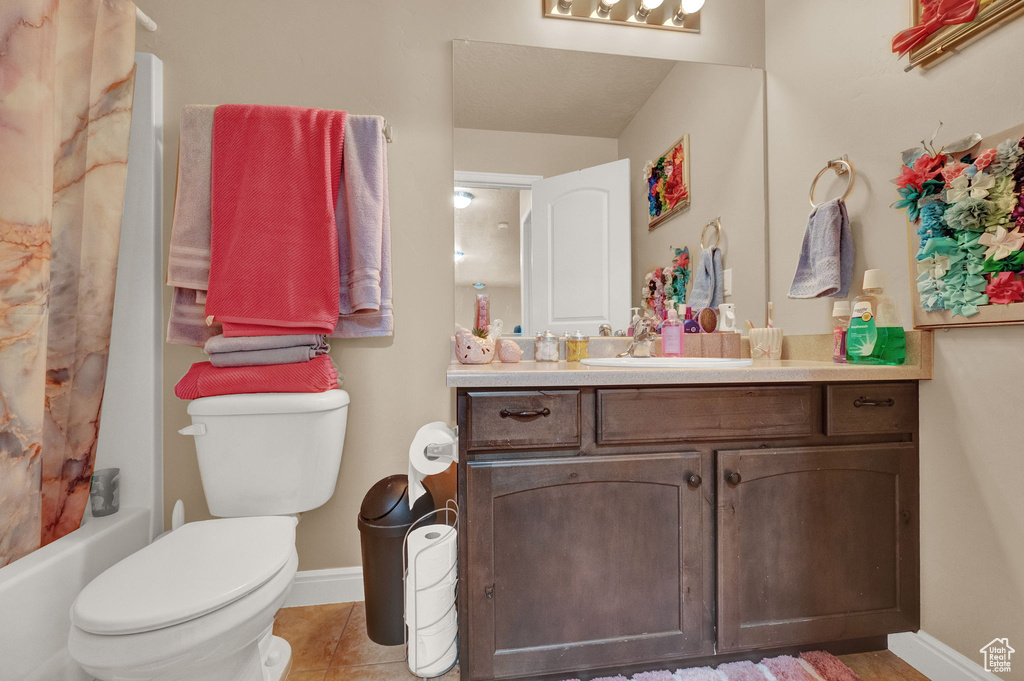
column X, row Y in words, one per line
column 364, row 232
column 826, row 255
column 188, row 259
column 204, row 380
column 263, row 350
column 246, row 343
column 708, row 289
column 186, row 323
column 274, row 243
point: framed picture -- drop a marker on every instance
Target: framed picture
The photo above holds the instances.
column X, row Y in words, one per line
column 931, row 38
column 668, row 182
column 967, row 267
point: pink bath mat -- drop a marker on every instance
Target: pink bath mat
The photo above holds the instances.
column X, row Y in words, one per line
column 826, row 667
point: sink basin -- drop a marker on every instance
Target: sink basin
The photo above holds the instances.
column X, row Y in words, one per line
column 669, row 362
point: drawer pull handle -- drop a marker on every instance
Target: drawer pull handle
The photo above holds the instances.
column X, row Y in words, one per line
column 867, row 402
column 526, row 414
column 733, row 478
column 694, row 481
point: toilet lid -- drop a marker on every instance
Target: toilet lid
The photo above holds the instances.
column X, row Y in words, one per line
column 187, row 573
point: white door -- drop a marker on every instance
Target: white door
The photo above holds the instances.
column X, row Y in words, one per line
column 576, row 257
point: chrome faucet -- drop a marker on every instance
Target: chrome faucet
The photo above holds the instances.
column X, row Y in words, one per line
column 645, row 332
column 604, row 330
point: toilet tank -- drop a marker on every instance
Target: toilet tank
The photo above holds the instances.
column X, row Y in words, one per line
column 268, row 453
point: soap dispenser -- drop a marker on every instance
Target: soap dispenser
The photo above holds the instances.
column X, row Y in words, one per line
column 672, row 335
column 876, row 335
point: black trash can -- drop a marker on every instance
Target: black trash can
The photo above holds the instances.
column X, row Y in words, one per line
column 384, row 518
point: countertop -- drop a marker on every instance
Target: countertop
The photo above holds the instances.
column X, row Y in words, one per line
column 802, row 363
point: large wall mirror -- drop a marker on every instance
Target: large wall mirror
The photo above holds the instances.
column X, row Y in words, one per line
column 552, row 207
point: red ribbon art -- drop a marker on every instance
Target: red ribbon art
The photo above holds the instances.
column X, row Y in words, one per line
column 934, row 15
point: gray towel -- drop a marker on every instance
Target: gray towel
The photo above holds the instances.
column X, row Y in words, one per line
column 826, row 255
column 245, row 351
column 708, row 289
column 220, row 344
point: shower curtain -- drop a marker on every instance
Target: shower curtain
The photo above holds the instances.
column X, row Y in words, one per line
column 67, row 76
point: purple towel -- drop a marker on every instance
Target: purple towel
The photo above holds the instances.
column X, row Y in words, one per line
column 826, row 255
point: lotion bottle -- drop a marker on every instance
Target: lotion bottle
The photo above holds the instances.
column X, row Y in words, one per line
column 672, row 335
column 690, row 324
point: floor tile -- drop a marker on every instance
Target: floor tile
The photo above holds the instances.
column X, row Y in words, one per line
column 392, row 671
column 307, row 676
column 313, row 633
column 356, row 648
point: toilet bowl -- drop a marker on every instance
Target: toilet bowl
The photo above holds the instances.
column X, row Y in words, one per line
column 198, row 604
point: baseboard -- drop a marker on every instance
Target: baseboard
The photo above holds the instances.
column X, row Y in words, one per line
column 320, row 587
column 935, row 659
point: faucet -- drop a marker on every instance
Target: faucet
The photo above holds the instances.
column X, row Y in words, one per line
column 604, row 330
column 644, row 334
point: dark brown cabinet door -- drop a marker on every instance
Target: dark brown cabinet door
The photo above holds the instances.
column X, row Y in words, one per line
column 816, row 544
column 583, row 562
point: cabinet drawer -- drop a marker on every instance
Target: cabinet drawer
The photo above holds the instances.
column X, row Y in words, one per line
column 871, row 408
column 672, row 414
column 524, row 419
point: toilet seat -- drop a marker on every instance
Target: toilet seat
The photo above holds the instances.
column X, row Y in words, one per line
column 190, row 572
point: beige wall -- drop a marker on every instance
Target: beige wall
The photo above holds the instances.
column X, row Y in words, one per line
column 835, row 88
column 722, row 109
column 529, row 153
column 391, row 58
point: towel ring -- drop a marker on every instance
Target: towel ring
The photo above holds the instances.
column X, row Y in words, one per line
column 842, row 166
column 717, row 224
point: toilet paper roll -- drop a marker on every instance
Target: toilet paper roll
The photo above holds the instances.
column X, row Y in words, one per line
column 433, row 654
column 430, row 610
column 421, row 464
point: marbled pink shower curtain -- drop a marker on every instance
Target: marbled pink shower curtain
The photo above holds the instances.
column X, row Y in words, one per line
column 67, row 76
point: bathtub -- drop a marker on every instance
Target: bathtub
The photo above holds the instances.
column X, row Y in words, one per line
column 42, row 586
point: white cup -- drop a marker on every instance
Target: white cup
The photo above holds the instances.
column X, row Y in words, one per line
column 766, row 343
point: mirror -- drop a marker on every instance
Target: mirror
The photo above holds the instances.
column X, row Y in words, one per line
column 554, row 222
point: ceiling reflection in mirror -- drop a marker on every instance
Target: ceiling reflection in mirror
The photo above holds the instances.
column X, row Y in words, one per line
column 552, row 149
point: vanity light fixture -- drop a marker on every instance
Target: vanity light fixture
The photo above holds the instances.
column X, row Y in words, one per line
column 664, row 15
column 644, row 9
column 462, row 199
column 687, row 7
column 479, row 285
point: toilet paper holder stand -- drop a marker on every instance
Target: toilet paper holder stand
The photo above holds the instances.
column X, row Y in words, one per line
column 450, row 510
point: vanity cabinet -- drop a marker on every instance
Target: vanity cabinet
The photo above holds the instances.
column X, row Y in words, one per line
column 816, row 544
column 608, row 529
column 581, row 561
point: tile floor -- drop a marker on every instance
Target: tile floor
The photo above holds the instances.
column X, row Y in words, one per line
column 329, row 643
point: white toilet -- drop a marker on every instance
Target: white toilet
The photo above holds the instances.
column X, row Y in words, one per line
column 198, row 603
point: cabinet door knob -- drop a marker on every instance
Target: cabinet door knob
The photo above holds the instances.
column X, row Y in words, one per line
column 694, row 481
column 489, row 591
column 526, row 414
column 733, row 478
column 868, row 402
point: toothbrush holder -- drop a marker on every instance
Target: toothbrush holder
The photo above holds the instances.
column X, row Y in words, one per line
column 766, row 343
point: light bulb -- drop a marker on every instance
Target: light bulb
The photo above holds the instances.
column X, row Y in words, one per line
column 462, row 199
column 645, row 7
column 688, row 7
column 606, row 6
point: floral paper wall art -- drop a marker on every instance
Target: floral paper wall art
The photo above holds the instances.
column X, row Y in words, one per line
column 940, row 25
column 966, row 206
column 668, row 182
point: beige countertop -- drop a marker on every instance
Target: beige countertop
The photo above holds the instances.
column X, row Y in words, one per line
column 805, row 359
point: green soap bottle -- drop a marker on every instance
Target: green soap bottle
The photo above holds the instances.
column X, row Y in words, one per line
column 876, row 335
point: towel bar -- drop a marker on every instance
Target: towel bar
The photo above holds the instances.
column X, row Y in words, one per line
column 842, row 166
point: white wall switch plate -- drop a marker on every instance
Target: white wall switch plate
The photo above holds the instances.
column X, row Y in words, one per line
column 727, row 281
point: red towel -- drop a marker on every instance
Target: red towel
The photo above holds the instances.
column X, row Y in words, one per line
column 273, row 241
column 206, row 380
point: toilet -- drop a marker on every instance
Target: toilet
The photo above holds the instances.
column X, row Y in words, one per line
column 199, row 602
